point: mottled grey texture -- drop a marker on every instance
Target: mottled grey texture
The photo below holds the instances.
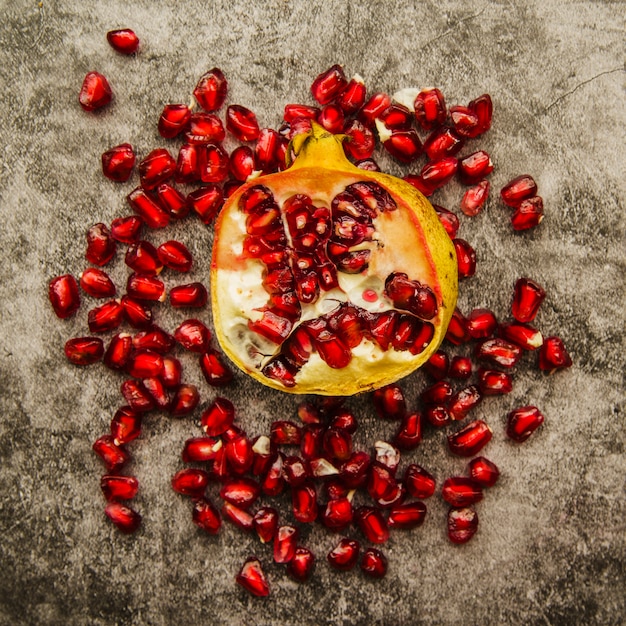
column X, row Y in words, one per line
column 550, row 549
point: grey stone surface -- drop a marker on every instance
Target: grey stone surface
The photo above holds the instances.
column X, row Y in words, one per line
column 550, row 549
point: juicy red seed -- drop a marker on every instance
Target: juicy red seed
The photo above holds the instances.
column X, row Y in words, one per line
column 142, row 258
column 353, row 97
column 462, row 524
column 463, row 401
column 360, row 141
column 137, row 396
column 281, row 370
column 419, row 483
column 344, row 555
column 105, row 317
column 273, row 482
column 439, row 393
column 372, row 524
column 308, row 413
column 465, row 258
column 252, row 578
column 294, row 112
column 274, row 327
column 97, row 283
column 125, row 519
column 125, row 425
column 338, row 514
column 389, row 402
column 448, row 220
column 174, row 120
column 459, row 491
column 374, row 563
column 373, row 108
column 295, row 470
column 553, row 355
column 494, row 382
column 409, row 435
column 457, row 332
column 171, row 373
column 461, row 367
column 407, row 515
column 474, row 198
column 523, row 335
column 528, row 214
column 267, row 150
column 186, row 398
column 499, row 351
column 95, row 92
column 123, row 40
column 301, row 567
column 205, row 128
column 430, row 108
column 404, row 145
column 483, row 109
column 483, row 471
column 354, row 471
column 100, row 245
column 193, row 335
column 527, row 298
column 211, row 90
column 381, row 482
column 145, row 364
column 148, row 209
column 207, row 202
column 154, row 338
column 157, row 391
column 241, row 492
column 172, row 201
column 471, row 439
column 117, row 488
column 285, row 543
column 304, row 502
column 437, row 415
column 329, row 85
column 337, row 444
column 188, row 164
column 118, row 162
column 242, row 123
column 518, row 190
column 136, row 313
column 438, row 365
column 84, row 350
column 113, row 456
column 175, row 255
column 523, row 422
column 241, row 163
column 237, row 516
column 206, row 516
column 190, row 482
column 118, row 351
column 332, row 118
column 285, row 433
column 474, row 167
column 441, row 143
column 218, row 417
column 465, row 121
column 220, row 469
column 213, row 164
column 193, row 295
column 200, row 449
column 156, row 167
column 215, row 370
column 437, row 173
column 126, row 229
column 481, row 323
column 266, row 523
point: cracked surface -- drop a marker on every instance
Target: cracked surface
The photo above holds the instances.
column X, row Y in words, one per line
column 550, row 546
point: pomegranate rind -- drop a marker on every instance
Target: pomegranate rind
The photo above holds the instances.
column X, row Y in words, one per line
column 421, row 248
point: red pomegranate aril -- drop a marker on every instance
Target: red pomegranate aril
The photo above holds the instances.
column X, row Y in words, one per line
column 419, row 482
column 462, row 524
column 404, row 145
column 474, row 167
column 395, row 117
column 113, row 456
column 96, row 283
column 332, row 118
column 188, row 164
column 273, row 482
column 528, row 214
column 142, row 258
column 211, row 90
column 437, row 173
column 438, row 365
column 523, row 335
column 201, row 449
column 353, row 97
column 220, row 470
column 372, row 524
column 441, row 143
column 123, row 40
column 465, row 122
column 474, row 198
column 309, row 413
column 95, row 92
column 174, row 120
column 157, row 391
column 465, row 258
column 215, row 370
column 499, row 352
column 360, row 141
column 84, row 350
column 304, row 502
column 218, row 417
column 553, row 355
column 213, row 164
column 204, row 129
column 437, row 415
column 430, row 108
column 460, row 491
column 239, row 454
column 285, row 433
column 125, row 425
column 137, row 396
column 293, row 112
column 190, row 482
column 156, row 167
column 241, row 492
column 523, row 422
column 494, row 382
column 207, row 202
column 126, row 229
column 105, row 317
column 337, row 444
column 118, row 162
column 483, row 471
column 335, row 489
column 242, row 123
column 137, row 314
column 457, row 332
column 185, row 399
column 329, row 85
column 407, row 515
column 344, row 555
column 381, row 482
column 389, row 402
column 145, row 364
column 461, row 367
column 118, row 351
column 374, row 563
column 193, row 335
column 265, row 523
column 172, row 201
column 448, row 220
column 301, row 567
column 439, row 393
column 409, row 435
column 463, row 401
column 338, row 514
column 295, row 470
column 148, row 209
column 470, row 439
column 518, row 190
column 483, row 109
column 373, row 108
column 125, row 519
column 175, row 256
column 252, row 578
column 241, row 163
column 154, row 338
column 285, row 543
column 192, row 295
column 311, row 444
column 206, row 516
column 481, row 323
column 171, row 373
column 100, row 245
column 117, row 488
column 527, row 298
column 344, row 419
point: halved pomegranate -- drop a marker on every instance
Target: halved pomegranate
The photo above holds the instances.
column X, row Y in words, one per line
column 330, row 279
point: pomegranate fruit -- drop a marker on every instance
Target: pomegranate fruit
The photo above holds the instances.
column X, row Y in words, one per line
column 297, row 252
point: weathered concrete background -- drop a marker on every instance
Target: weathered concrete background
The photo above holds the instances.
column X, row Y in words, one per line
column 550, row 549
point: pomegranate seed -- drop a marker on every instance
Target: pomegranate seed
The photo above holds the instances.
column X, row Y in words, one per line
column 438, row 365
column 172, row 201
column 483, row 471
column 239, row 454
column 295, row 470
column 188, row 164
column 190, row 482
column 117, row 488
column 354, row 472
column 443, row 142
column 136, row 394
column 252, row 578
column 301, row 567
column 338, row 514
column 448, row 220
column 337, row 444
column 215, row 370
column 437, row 415
column 213, row 164
column 171, row 373
column 373, row 108
column 329, row 85
column 459, row 491
column 461, row 367
column 186, row 398
column 118, row 162
column 344, row 555
column 154, row 338
column 524, row 335
column 465, row 121
column 118, row 351
column 493, row 382
column 420, row 184
column 353, row 97
column 100, row 245
column 242, row 123
column 175, row 255
column 125, row 519
column 157, row 391
column 105, row 317
column 242, row 492
column 419, row 483
column 553, row 355
column 523, row 422
column 372, row 524
column 527, row 299
column 152, row 214
column 113, row 456
column 311, row 443
column 95, row 282
column 200, row 449
column 430, row 108
column 465, row 258
column 211, row 90
column 95, row 92
column 207, row 202
column 285, row 543
column 463, row 401
column 528, row 214
column 518, row 190
column 332, row 118
column 482, row 107
column 137, row 314
column 204, row 129
column 407, row 515
column 220, row 470
column 174, row 120
column 156, row 167
column 474, row 198
column 344, row 419
column 381, row 482
column 481, row 323
column 266, row 523
column 293, row 112
column 474, row 167
column 403, row 145
column 409, row 435
column 471, row 439
column 241, row 163
column 439, row 393
column 218, row 417
column 462, row 524
column 304, row 502
column 499, row 352
column 457, row 332
column 192, row 295
column 389, row 402
column 335, row 489
column 206, row 516
column 374, row 563
column 273, row 482
column 125, row 426
column 437, row 173
column 123, row 40
column 360, row 141
column 126, row 229
column 285, row 433
column 142, row 258
column 193, row 335
column 145, row 364
column 84, row 350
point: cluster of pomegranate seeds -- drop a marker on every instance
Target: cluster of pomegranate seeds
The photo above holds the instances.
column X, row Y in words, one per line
column 366, row 493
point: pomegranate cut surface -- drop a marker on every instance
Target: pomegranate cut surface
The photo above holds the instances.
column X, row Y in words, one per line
column 296, row 260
